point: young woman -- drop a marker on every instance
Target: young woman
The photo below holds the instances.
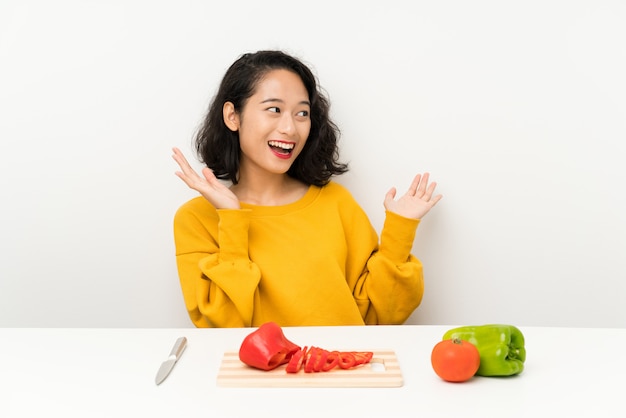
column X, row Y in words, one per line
column 283, row 242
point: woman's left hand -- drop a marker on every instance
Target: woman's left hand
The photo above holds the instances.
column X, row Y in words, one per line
column 416, row 202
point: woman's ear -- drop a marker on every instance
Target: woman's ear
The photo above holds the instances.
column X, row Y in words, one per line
column 231, row 117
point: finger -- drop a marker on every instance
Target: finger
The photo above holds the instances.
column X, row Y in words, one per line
column 180, row 160
column 390, row 195
column 188, row 181
column 184, row 165
column 429, row 191
column 421, row 189
column 414, row 185
column 435, row 199
column 179, row 157
column 209, row 175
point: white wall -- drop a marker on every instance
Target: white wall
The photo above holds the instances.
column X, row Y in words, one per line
column 518, row 109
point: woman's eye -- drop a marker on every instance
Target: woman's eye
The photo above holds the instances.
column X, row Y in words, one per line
column 303, row 113
column 274, row 109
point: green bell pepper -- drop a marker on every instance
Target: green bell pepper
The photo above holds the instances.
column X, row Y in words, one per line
column 501, row 347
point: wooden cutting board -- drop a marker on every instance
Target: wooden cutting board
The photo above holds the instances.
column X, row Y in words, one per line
column 382, row 371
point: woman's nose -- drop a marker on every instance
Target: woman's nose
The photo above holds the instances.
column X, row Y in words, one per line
column 286, row 125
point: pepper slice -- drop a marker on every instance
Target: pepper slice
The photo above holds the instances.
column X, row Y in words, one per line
column 362, row 357
column 332, row 361
column 267, row 347
column 321, row 360
column 296, row 361
column 311, row 359
column 346, row 360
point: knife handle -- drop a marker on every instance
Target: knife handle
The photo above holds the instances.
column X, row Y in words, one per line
column 178, row 348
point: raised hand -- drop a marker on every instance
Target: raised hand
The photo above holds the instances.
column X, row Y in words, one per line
column 207, row 185
column 416, row 202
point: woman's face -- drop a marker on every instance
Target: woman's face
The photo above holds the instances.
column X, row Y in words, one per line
column 274, row 124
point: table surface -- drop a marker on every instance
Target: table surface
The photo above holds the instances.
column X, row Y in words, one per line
column 572, row 372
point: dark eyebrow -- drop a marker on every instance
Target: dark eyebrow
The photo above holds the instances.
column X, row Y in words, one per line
column 271, row 99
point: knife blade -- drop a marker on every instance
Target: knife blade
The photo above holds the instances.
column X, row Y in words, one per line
column 168, row 365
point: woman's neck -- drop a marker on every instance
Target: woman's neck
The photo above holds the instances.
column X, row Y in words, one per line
column 275, row 190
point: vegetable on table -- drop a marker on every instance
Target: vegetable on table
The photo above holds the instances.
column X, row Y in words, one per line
column 501, row 347
column 266, row 348
column 316, row 359
column 455, row 360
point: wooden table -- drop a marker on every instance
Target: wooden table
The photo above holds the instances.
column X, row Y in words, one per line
column 569, row 372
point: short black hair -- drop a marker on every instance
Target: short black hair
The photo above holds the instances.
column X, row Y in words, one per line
column 218, row 147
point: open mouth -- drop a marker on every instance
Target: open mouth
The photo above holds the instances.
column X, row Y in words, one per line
column 282, row 148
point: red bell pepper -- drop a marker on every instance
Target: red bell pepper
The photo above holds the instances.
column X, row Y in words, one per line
column 321, row 360
column 267, row 347
column 295, row 364
column 346, row 360
column 315, row 359
column 332, row 361
column 362, row 357
column 311, row 358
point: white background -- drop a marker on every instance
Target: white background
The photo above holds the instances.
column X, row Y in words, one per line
column 518, row 109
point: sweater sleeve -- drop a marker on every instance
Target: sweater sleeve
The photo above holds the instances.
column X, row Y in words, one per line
column 391, row 286
column 218, row 280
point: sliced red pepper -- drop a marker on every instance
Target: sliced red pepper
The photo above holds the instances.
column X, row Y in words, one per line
column 362, row 357
column 332, row 361
column 311, row 359
column 321, row 360
column 296, row 361
column 267, row 347
column 346, row 360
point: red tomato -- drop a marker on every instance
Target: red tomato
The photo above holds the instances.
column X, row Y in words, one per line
column 455, row 360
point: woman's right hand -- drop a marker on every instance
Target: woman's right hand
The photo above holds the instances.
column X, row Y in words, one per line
column 220, row 196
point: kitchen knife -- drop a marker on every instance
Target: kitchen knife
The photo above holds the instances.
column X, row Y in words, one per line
column 168, row 365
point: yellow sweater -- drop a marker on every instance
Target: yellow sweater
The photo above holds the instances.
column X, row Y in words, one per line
column 316, row 261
